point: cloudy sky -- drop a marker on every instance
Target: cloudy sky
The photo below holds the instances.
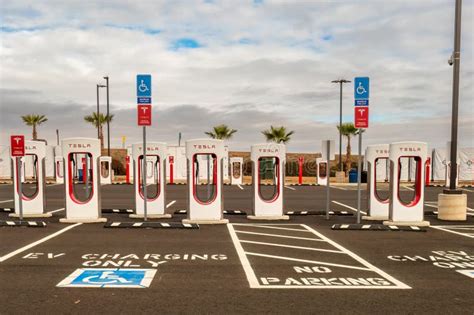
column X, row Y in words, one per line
column 248, row 64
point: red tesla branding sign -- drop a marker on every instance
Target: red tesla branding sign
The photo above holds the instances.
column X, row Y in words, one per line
column 171, row 159
column 361, row 116
column 144, row 115
column 17, row 144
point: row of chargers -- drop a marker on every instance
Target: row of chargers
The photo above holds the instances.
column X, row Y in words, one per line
column 82, row 169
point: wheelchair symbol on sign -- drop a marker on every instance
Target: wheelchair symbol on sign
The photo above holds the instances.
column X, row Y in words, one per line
column 107, row 277
column 142, row 87
column 360, row 89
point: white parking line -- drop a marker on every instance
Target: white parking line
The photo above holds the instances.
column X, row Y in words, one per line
column 6, row 200
column 469, row 190
column 447, row 228
column 308, row 261
column 409, row 188
column 469, row 210
column 348, row 207
column 290, row 188
column 55, row 184
column 340, row 188
column 241, row 188
column 44, row 239
column 292, row 246
column 171, row 203
column 61, row 209
column 251, row 277
column 279, row 228
column 281, row 236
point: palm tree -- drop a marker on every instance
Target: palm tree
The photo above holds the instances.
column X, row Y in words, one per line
column 221, row 132
column 98, row 121
column 278, row 135
column 348, row 130
column 34, row 120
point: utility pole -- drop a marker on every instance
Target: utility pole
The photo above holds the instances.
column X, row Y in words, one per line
column 340, row 81
column 98, row 111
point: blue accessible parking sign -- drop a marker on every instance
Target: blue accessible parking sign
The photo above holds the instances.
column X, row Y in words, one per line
column 361, row 88
column 109, row 278
column 144, row 85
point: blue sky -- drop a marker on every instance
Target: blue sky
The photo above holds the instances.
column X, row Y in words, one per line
column 233, row 62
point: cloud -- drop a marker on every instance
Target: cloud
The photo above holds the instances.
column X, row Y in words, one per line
column 249, row 65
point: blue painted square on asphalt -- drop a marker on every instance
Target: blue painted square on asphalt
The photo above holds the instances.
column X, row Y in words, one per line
column 109, row 278
column 361, row 88
column 143, row 85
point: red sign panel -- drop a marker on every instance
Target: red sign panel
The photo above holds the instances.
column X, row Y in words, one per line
column 17, row 143
column 171, row 159
column 144, row 115
column 361, row 116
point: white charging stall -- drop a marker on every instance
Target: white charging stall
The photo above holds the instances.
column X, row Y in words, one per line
column 156, row 154
column 33, row 191
column 205, row 197
column 378, row 202
column 403, row 210
column 105, row 170
column 82, row 192
column 236, row 174
column 268, row 162
column 59, row 169
column 322, row 171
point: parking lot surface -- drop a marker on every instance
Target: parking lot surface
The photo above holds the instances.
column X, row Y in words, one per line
column 298, row 266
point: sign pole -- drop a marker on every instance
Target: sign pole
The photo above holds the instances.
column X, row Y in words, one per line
column 144, row 175
column 359, row 173
column 20, row 192
column 328, row 155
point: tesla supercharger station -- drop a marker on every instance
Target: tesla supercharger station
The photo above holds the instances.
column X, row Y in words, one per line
column 236, row 170
column 376, row 155
column 156, row 154
column 59, row 169
column 32, row 193
column 322, row 171
column 105, row 170
column 403, row 210
column 82, row 196
column 268, row 162
column 205, row 198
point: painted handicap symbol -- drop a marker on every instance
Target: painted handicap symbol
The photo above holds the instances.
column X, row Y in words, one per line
column 360, row 89
column 107, row 277
column 143, row 87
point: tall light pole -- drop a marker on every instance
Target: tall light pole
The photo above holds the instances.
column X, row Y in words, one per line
column 455, row 61
column 98, row 111
column 108, row 124
column 340, row 81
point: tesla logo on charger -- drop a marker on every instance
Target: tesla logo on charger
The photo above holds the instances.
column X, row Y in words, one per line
column 410, row 149
column 204, row 146
column 268, row 150
column 381, row 151
column 79, row 145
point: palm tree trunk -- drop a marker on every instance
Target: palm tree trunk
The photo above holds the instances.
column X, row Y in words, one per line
column 101, row 138
column 35, row 133
column 348, row 154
